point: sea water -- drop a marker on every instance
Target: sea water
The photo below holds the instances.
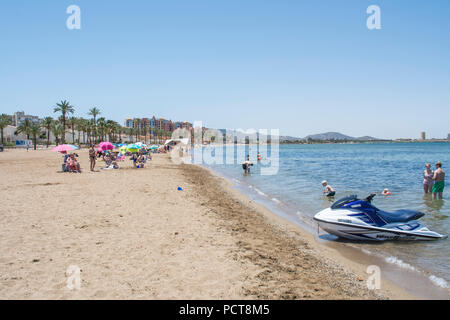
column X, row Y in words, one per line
column 295, row 192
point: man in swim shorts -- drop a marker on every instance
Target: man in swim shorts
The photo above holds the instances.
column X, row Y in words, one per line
column 439, row 181
column 329, row 191
column 246, row 165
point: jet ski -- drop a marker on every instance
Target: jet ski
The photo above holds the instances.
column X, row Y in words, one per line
column 356, row 219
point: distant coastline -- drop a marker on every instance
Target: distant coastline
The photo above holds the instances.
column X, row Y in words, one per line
column 361, row 141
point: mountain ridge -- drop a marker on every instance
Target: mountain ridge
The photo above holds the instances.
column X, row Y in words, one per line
column 330, row 136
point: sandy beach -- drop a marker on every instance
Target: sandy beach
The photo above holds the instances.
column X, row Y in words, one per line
column 135, row 236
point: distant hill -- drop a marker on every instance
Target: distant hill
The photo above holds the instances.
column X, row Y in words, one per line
column 327, row 136
column 338, row 136
column 368, row 138
column 289, row 139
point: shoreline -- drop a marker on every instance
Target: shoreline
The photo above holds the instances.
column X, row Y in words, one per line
column 328, row 254
column 419, row 278
column 135, row 236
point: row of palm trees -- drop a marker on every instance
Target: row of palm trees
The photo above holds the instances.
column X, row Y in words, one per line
column 89, row 131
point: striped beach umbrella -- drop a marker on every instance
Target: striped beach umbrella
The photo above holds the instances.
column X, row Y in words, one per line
column 64, row 148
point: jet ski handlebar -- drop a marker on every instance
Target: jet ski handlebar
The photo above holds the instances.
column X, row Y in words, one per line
column 342, row 202
column 370, row 198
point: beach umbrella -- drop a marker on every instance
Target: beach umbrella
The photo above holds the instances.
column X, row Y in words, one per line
column 133, row 148
column 64, row 148
column 154, row 147
column 123, row 149
column 141, row 144
column 105, row 146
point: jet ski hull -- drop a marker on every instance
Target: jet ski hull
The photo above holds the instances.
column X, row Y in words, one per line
column 347, row 224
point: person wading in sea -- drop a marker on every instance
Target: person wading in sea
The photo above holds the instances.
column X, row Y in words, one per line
column 428, row 182
column 328, row 191
column 439, row 181
column 246, row 165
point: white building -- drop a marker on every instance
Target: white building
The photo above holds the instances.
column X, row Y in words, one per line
column 20, row 116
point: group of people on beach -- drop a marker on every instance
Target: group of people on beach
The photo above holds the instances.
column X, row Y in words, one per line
column 139, row 159
column 111, row 159
column 71, row 163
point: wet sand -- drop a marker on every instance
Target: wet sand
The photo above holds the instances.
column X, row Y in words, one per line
column 135, row 236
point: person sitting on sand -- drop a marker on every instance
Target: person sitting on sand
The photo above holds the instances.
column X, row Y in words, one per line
column 329, row 191
column 141, row 161
column 74, row 165
column 65, row 165
column 386, row 192
column 134, row 158
column 108, row 159
column 428, row 179
column 439, row 179
column 112, row 166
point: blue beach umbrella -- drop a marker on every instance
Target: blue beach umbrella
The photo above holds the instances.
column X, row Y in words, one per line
column 133, row 148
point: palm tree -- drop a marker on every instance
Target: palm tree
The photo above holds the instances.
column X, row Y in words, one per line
column 57, row 130
column 154, row 135
column 83, row 125
column 120, row 130
column 137, row 126
column 80, row 123
column 116, row 131
column 72, row 122
column 35, row 130
column 110, row 126
column 90, row 130
column 144, row 132
column 65, row 108
column 167, row 134
column 94, row 112
column 131, row 133
column 5, row 121
column 25, row 127
column 47, row 123
column 101, row 125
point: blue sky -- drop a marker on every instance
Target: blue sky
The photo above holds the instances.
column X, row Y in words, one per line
column 301, row 66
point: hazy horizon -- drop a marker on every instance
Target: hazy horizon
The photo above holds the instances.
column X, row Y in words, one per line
column 303, row 67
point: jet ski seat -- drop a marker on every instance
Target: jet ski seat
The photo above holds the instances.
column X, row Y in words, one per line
column 399, row 216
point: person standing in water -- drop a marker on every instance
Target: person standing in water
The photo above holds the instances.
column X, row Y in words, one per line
column 439, row 181
column 246, row 165
column 428, row 182
column 329, row 191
